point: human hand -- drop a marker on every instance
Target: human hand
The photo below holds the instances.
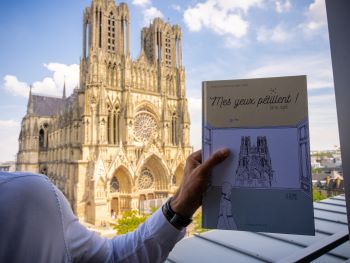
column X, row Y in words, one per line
column 196, row 175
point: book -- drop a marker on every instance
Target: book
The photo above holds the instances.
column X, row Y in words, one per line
column 265, row 184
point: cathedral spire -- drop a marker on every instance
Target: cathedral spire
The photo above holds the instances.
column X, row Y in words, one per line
column 30, row 101
column 30, row 92
column 64, row 89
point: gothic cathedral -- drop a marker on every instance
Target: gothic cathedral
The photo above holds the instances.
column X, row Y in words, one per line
column 122, row 137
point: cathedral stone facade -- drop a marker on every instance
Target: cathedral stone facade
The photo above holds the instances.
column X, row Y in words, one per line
column 122, row 137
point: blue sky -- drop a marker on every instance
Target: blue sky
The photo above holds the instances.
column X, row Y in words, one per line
column 222, row 39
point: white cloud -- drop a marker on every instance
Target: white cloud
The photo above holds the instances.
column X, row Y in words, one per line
column 314, row 22
column 149, row 14
column 14, row 86
column 278, row 34
column 64, row 73
column 316, row 17
column 323, row 137
column 195, row 110
column 9, row 131
column 320, row 99
column 46, row 86
column 323, row 122
column 8, row 123
column 51, row 86
column 222, row 17
column 243, row 5
column 282, row 7
column 317, row 68
column 149, row 11
column 176, row 7
column 141, row 2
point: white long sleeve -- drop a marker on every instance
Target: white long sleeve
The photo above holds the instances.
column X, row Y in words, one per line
column 38, row 225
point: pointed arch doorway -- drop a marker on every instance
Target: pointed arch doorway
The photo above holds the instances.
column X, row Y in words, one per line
column 120, row 187
column 152, row 183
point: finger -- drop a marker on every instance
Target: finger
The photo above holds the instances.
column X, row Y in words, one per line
column 215, row 159
column 192, row 160
column 197, row 156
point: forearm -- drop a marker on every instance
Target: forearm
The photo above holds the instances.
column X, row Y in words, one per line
column 150, row 242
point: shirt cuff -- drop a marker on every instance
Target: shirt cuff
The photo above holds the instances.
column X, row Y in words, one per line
column 160, row 229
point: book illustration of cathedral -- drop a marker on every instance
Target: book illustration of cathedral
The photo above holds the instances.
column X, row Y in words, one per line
column 122, row 138
column 254, row 164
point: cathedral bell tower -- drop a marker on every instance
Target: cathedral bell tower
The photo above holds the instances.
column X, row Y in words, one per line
column 106, row 28
column 106, row 34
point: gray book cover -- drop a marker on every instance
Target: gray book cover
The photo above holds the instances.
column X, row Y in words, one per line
column 265, row 185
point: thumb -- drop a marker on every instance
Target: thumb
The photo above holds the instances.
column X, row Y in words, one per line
column 215, row 159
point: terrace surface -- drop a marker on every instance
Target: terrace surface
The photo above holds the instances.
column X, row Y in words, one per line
column 240, row 246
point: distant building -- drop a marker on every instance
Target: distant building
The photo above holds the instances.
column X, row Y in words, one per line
column 331, row 162
column 335, row 181
column 319, row 177
column 329, row 184
column 122, row 137
column 315, row 163
column 8, row 167
column 326, row 159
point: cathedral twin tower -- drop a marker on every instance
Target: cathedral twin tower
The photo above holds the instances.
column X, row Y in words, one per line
column 122, row 137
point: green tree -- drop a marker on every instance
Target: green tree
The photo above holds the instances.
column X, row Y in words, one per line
column 317, row 196
column 129, row 221
column 316, row 170
column 197, row 223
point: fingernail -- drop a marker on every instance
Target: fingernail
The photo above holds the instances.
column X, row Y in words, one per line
column 225, row 152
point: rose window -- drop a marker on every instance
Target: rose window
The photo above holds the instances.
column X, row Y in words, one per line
column 146, row 179
column 145, row 126
column 114, row 185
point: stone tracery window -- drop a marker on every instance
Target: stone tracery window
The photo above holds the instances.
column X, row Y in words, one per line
column 109, row 135
column 146, row 179
column 174, row 129
column 109, row 74
column 113, row 125
column 168, row 50
column 116, row 124
column 145, row 126
column 111, row 33
column 43, row 137
column 114, row 185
